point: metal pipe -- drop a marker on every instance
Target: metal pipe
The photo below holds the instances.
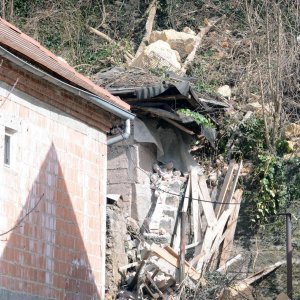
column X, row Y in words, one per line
column 122, row 136
column 289, row 252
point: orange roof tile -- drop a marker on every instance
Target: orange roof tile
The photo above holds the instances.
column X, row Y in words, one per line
column 13, row 38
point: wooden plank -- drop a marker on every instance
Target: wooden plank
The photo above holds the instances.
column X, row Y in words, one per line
column 173, row 259
column 160, row 112
column 182, row 128
column 231, row 226
column 124, row 268
column 208, row 207
column 233, row 187
column 182, row 247
column 229, row 263
column 134, row 281
column 224, row 189
column 186, row 201
column 195, row 204
column 262, row 273
column 211, row 234
column 148, row 276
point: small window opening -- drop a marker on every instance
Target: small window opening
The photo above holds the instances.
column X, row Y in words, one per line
column 8, row 146
column 7, row 150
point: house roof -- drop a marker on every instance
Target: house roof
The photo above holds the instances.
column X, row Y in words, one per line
column 11, row 37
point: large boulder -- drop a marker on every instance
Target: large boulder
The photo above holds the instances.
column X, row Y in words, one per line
column 182, row 42
column 158, row 55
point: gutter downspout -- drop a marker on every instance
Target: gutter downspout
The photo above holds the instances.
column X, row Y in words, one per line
column 122, row 136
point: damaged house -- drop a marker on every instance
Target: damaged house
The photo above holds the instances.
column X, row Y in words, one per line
column 53, row 142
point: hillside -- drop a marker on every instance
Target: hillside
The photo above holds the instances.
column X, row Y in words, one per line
column 251, row 49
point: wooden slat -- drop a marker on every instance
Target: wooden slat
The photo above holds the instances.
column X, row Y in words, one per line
column 186, row 201
column 231, row 226
column 182, row 247
column 262, row 273
column 211, row 234
column 173, row 259
column 233, row 187
column 160, row 112
column 224, row 189
column 195, row 204
column 182, row 128
column 207, row 206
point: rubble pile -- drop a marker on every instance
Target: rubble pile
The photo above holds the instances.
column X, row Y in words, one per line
column 184, row 217
column 167, row 185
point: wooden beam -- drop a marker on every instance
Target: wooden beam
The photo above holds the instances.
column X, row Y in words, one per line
column 186, row 201
column 172, row 258
column 262, row 273
column 232, row 189
column 182, row 247
column 227, row 181
column 160, row 112
column 212, row 234
column 149, row 25
column 231, row 226
column 207, row 205
column 182, row 128
column 195, row 204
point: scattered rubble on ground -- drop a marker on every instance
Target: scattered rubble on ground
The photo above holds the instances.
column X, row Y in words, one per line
column 189, row 232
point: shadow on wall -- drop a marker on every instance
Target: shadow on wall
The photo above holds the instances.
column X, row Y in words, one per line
column 46, row 255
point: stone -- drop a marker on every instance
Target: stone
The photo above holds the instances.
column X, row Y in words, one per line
column 189, row 31
column 169, row 166
column 182, row 42
column 154, row 178
column 224, row 91
column 177, row 173
column 157, row 238
column 158, row 55
column 162, row 231
column 292, row 130
column 130, row 244
column 213, row 177
column 132, row 225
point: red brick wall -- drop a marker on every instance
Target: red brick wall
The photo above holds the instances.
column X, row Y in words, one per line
column 55, row 252
column 49, row 93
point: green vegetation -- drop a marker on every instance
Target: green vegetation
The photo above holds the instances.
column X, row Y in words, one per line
column 272, row 186
column 199, row 119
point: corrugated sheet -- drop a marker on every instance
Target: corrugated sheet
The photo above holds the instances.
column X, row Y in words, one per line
column 12, row 37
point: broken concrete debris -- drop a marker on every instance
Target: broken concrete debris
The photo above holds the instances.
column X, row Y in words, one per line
column 156, row 264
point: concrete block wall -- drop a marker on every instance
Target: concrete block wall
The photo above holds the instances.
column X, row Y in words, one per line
column 58, row 163
column 129, row 167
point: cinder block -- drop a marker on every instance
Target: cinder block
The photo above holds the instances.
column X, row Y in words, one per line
column 141, row 202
